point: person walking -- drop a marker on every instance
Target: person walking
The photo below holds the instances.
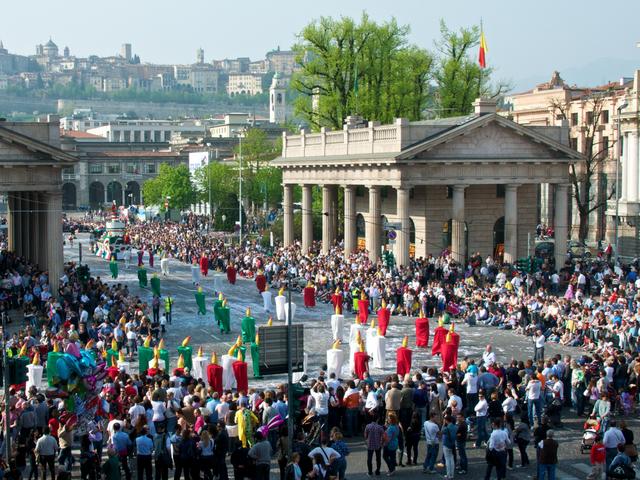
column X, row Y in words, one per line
column 522, row 436
column 548, row 457
column 461, row 444
column 431, row 435
column 161, row 452
column 391, row 445
column 539, row 342
column 261, row 453
column 46, row 449
column 412, row 438
column 497, row 451
column 449, row 431
column 373, row 434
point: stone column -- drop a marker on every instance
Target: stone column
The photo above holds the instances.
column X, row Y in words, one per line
column 402, row 242
column 307, row 217
column 624, row 167
column 373, row 223
column 349, row 220
column 333, row 212
column 458, row 238
column 328, row 217
column 34, row 218
column 11, row 222
column 43, row 255
column 511, row 223
column 53, row 231
column 632, row 162
column 287, row 206
column 561, row 228
column 27, row 230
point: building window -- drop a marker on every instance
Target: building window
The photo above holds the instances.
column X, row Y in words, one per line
column 573, row 143
column 360, row 190
column 449, row 191
column 151, row 168
column 574, row 119
column 127, row 135
column 113, row 168
column 136, row 135
column 132, row 168
column 147, row 135
column 384, row 192
column 95, row 168
column 157, row 136
column 68, row 170
column 605, row 146
column 604, row 117
column 499, row 191
column 589, row 118
column 167, row 135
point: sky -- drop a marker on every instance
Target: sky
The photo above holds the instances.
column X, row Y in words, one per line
column 527, row 40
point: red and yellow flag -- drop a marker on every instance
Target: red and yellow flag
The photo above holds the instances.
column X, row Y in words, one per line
column 483, row 50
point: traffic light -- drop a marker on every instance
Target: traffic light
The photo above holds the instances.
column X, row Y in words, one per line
column 389, row 259
column 83, row 273
column 522, row 264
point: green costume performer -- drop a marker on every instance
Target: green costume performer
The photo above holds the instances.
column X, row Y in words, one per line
column 217, row 305
column 145, row 355
column 113, row 267
column 155, row 285
column 200, row 300
column 185, row 351
column 248, row 327
column 255, row 357
column 52, row 358
column 142, row 277
column 225, row 318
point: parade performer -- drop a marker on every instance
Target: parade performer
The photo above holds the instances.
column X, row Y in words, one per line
column 214, row 374
column 168, row 308
column 261, row 281
column 34, row 372
column 201, row 301
column 127, row 257
column 204, row 265
column 185, row 351
column 225, row 317
column 255, row 357
column 248, row 327
column 383, row 318
column 379, row 350
column 439, row 336
column 266, row 299
column 195, row 273
column 363, row 309
column 113, row 267
column 337, row 323
column 145, row 355
column 335, row 359
column 403, row 358
column 52, row 358
column 280, row 301
column 309, row 295
column 142, row 276
column 450, row 350
column 163, row 353
column 217, row 305
column 228, row 378
column 164, row 264
column 199, row 366
column 231, row 274
column 422, row 330
column 240, row 371
column 155, row 285
column 246, row 421
column 361, row 361
column 151, row 258
column 140, row 255
column 336, row 299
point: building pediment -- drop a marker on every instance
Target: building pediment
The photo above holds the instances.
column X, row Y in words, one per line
column 489, row 138
column 16, row 148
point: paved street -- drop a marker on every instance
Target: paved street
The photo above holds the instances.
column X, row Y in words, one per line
column 244, row 294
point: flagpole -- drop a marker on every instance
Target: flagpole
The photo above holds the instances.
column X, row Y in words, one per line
column 481, row 67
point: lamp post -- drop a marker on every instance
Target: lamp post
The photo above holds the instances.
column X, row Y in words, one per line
column 619, row 159
column 167, row 215
column 290, row 407
column 240, row 133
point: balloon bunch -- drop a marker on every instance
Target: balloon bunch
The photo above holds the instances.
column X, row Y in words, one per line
column 80, row 379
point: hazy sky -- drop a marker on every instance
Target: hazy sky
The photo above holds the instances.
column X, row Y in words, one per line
column 584, row 39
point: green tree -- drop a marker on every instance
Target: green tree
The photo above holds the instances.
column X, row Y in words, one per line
column 265, row 186
column 365, row 68
column 257, row 148
column 172, row 182
column 458, row 76
column 220, row 178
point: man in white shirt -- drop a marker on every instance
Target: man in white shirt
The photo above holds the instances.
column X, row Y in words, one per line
column 470, row 381
column 540, row 340
column 431, row 434
column 612, row 438
column 488, row 357
column 498, row 444
column 454, row 398
column 136, row 411
column 482, row 410
column 534, row 399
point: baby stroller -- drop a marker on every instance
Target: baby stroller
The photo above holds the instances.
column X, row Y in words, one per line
column 591, row 428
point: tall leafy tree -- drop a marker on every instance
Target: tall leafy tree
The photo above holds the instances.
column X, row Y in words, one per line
column 350, row 67
column 173, row 182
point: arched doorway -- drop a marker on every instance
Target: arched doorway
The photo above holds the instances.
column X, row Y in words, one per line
column 361, row 232
column 498, row 239
column 132, row 194
column 114, row 192
column 446, row 237
column 96, row 195
column 68, row 196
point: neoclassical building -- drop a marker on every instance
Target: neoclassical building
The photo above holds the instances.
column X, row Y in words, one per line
column 468, row 184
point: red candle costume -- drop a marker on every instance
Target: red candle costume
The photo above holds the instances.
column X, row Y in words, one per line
column 403, row 358
column 204, row 265
column 363, row 310
column 422, row 331
column 336, row 300
column 261, row 282
column 214, row 375
column 361, row 363
column 309, row 296
column 450, row 350
column 240, row 372
column 383, row 319
column 439, row 335
column 231, row 274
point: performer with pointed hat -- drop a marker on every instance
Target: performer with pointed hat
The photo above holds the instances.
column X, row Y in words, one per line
column 403, row 358
column 439, row 335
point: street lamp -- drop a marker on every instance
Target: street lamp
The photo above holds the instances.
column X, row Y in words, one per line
column 167, row 216
column 290, row 407
column 619, row 159
column 240, row 133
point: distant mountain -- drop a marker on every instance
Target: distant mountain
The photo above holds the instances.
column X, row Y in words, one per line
column 596, row 72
